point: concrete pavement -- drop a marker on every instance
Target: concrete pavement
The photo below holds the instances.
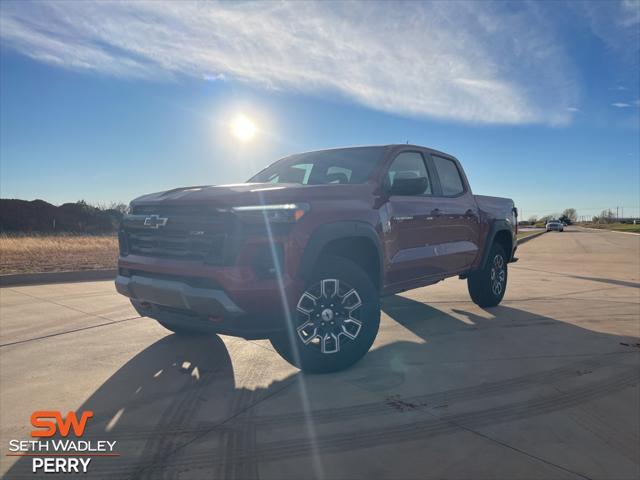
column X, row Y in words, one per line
column 544, row 386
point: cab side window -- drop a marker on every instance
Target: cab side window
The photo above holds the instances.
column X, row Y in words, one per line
column 450, row 180
column 410, row 165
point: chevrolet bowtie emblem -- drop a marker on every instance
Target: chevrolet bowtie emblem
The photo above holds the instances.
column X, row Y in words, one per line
column 155, row 221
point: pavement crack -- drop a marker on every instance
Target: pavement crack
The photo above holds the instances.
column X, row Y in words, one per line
column 96, row 315
column 44, row 337
column 506, row 445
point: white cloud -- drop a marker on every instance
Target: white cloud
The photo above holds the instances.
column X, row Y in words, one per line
column 471, row 62
column 620, row 105
column 630, row 15
column 617, row 24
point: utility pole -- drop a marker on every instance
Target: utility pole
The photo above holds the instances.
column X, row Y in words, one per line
column 617, row 216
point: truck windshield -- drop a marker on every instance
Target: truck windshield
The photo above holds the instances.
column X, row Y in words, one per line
column 344, row 165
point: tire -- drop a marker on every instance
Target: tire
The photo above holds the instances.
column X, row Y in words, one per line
column 487, row 286
column 327, row 336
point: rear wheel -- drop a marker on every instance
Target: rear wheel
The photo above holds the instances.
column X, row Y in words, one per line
column 336, row 319
column 487, row 286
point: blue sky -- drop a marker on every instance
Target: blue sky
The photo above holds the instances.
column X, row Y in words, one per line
column 106, row 101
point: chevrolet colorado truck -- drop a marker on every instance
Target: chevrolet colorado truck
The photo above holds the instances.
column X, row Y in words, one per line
column 302, row 253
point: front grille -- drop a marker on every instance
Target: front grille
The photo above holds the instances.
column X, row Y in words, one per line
column 189, row 233
column 180, row 210
column 174, row 245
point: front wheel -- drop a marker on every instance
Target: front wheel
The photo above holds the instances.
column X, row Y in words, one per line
column 335, row 321
column 487, row 286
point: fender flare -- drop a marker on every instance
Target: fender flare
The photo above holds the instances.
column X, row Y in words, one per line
column 329, row 232
column 496, row 227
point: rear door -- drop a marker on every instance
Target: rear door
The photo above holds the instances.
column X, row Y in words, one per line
column 458, row 215
column 412, row 235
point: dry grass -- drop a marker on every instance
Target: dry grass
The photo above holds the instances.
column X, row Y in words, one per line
column 526, row 233
column 620, row 227
column 55, row 253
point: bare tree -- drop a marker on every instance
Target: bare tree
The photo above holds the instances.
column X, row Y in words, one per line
column 606, row 216
column 123, row 208
column 571, row 214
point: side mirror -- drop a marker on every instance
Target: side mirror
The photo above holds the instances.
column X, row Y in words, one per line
column 405, row 183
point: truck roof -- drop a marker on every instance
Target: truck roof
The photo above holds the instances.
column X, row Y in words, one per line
column 387, row 146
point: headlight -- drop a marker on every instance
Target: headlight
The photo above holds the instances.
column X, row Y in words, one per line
column 282, row 213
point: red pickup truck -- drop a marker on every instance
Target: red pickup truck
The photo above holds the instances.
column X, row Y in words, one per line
column 303, row 251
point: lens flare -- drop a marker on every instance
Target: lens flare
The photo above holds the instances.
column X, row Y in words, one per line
column 243, row 128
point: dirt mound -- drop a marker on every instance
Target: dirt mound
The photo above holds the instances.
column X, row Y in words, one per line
column 40, row 216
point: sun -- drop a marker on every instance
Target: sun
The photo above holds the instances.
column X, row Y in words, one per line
column 243, row 128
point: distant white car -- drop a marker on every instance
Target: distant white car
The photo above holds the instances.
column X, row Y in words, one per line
column 554, row 225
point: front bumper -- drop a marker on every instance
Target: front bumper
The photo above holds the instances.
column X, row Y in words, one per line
column 178, row 295
column 204, row 309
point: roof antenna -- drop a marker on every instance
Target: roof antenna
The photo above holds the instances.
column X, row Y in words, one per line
column 407, row 142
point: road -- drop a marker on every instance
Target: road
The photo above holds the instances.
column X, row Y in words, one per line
column 544, row 386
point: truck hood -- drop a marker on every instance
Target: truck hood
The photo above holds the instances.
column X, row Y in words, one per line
column 249, row 194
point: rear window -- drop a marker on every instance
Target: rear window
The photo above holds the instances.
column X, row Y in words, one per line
column 339, row 166
column 450, row 179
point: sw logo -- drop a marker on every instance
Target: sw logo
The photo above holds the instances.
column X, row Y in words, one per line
column 61, row 455
column 45, row 427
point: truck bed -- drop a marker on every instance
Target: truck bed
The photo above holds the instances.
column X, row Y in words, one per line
column 496, row 207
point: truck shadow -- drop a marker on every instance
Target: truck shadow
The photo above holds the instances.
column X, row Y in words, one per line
column 427, row 322
column 180, row 409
